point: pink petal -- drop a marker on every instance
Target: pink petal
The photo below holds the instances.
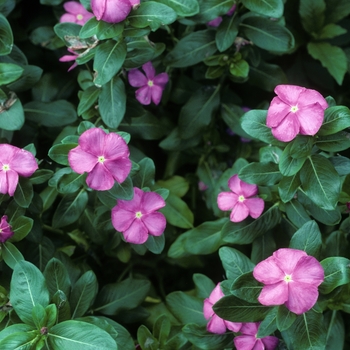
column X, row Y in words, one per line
column 288, row 129
column 216, row 294
column 278, row 110
column 270, row 342
column 287, row 259
column 234, row 184
column 3, row 182
column 134, row 204
column 216, row 325
column 259, row 345
column 80, row 161
column 118, row 168
column 156, row 94
column 239, row 212
column 74, row 7
column 152, row 201
column 24, row 163
column 310, row 118
column 248, row 190
column 143, row 95
column 227, row 200
column 134, row 2
column 250, row 328
column 136, row 78
column 302, row 297
column 93, row 141
column 115, row 146
column 268, row 272
column 244, row 342
column 136, row 233
column 231, row 10
column 72, row 67
column 121, row 218
column 308, row 270
column 7, row 152
column 289, row 93
column 100, row 178
column 207, row 309
column 149, row 70
column 110, row 11
column 161, row 80
column 155, row 223
column 67, row 17
column 255, row 206
column 215, row 22
column 309, row 96
column 233, row 326
column 274, row 294
column 6, row 231
column 67, row 58
column 12, row 181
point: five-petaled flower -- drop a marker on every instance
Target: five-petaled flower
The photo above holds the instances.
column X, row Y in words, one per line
column 68, row 58
column 150, row 86
column 104, row 156
column 295, row 110
column 76, row 13
column 216, row 324
column 113, row 11
column 5, row 230
column 291, row 277
column 248, row 339
column 14, row 161
column 138, row 217
column 241, row 200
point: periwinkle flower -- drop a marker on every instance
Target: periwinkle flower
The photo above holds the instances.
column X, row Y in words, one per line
column 5, row 230
column 150, row 86
column 216, row 324
column 112, row 11
column 104, row 156
column 248, row 339
column 139, row 217
column 68, row 58
column 76, row 13
column 290, row 277
column 14, row 161
column 242, row 200
column 295, row 110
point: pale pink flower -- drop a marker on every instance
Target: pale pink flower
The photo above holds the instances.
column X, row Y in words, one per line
column 248, row 339
column 241, row 200
column 113, row 11
column 150, row 86
column 104, row 156
column 138, row 218
column 5, row 230
column 68, row 58
column 291, row 277
column 216, row 324
column 76, row 13
column 295, row 110
column 217, row 21
column 14, row 161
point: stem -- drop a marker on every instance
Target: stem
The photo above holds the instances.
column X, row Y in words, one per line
column 334, row 314
column 51, row 229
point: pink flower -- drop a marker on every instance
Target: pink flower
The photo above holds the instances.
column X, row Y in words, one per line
column 248, row 340
column 150, row 86
column 68, row 58
column 291, row 277
column 104, row 156
column 216, row 324
column 202, row 186
column 217, row 21
column 241, row 200
column 76, row 13
column 295, row 110
column 14, row 161
column 139, row 217
column 112, row 11
column 5, row 230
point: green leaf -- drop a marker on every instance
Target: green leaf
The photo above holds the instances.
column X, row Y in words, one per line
column 19, row 341
column 24, row 192
column 335, row 330
column 336, row 10
column 331, row 57
column 145, row 176
column 210, row 9
column 247, row 288
column 204, row 285
column 79, row 335
column 312, row 13
column 125, row 295
column 11, row 118
column 9, row 72
column 269, row 324
column 87, row 99
column 269, row 8
column 28, row 288
column 11, row 254
column 183, row 8
column 41, row 176
column 161, row 329
column 6, row 36
column 197, row 113
column 59, row 153
column 21, row 227
column 109, row 58
column 30, row 76
column 334, row 143
column 155, row 244
column 63, row 308
column 192, row 49
column 285, row 318
column 152, row 14
column 112, row 102
column 109, row 30
column 336, row 118
column 264, row 174
column 296, row 213
column 267, row 34
column 226, row 33
column 288, row 186
column 320, row 182
column 83, row 294
column 330, row 31
column 336, row 273
column 263, row 247
column 146, row 339
column 57, row 277
column 70, row 183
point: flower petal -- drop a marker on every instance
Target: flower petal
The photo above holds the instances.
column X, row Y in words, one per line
column 136, row 233
column 155, row 223
column 287, row 259
column 161, row 80
column 234, row 184
column 215, row 22
column 310, row 118
column 134, row 204
column 12, row 182
column 302, row 297
column 248, row 190
column 149, row 70
column 74, row 7
column 216, row 325
column 289, row 93
column 244, row 342
column 278, row 110
column 208, row 309
column 250, row 328
column 268, row 271
column 115, row 146
column 98, row 8
column 68, row 17
column 156, row 94
column 3, row 182
column 310, row 96
column 308, row 270
column 152, row 201
column 255, row 206
column 270, row 342
column 274, row 294
column 227, row 200
column 233, row 326
column 143, row 95
column 111, row 11
column 136, row 78
column 24, row 163
column 81, row 161
column 119, row 168
column 7, row 152
column 239, row 212
column 93, row 141
column 67, row 58
column 288, row 129
column 100, row 178
column 121, row 218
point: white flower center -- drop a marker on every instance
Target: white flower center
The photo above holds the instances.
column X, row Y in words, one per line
column 294, row 109
column 288, row 278
column 150, row 83
column 138, row 215
column 6, row 167
column 101, row 159
column 80, row 17
column 241, row 198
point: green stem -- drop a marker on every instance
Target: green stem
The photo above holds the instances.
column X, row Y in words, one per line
column 51, row 229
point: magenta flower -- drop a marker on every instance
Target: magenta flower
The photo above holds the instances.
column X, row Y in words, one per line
column 104, row 156
column 112, row 11
column 216, row 324
column 68, row 58
column 241, row 200
column 150, row 86
column 138, row 218
column 291, row 277
column 248, row 339
column 202, row 186
column 14, row 161
column 295, row 110
column 76, row 13
column 5, row 230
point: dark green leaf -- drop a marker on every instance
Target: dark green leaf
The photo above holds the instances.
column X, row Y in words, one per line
column 11, row 254
column 6, row 36
column 24, row 192
column 264, row 174
column 57, row 277
column 268, row 8
column 183, row 8
column 336, row 118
